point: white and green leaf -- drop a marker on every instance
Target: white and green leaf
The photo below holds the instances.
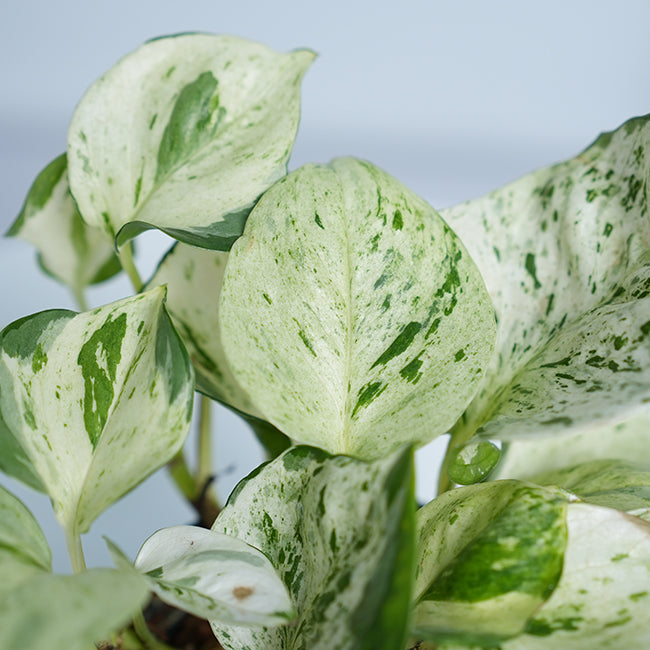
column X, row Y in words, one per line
column 348, row 301
column 183, row 135
column 488, row 556
column 69, row 249
column 95, row 402
column 564, row 254
column 214, row 576
column 347, row 561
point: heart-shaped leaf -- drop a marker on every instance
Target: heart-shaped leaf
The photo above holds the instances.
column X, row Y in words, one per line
column 488, row 556
column 183, row 135
column 348, row 301
column 69, row 249
column 95, row 401
column 564, row 253
column 340, row 533
column 212, row 576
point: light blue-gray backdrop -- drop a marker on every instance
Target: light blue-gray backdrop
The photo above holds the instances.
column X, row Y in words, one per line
column 453, row 98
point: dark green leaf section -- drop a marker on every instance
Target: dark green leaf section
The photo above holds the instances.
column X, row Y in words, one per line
column 99, row 359
column 192, row 124
column 272, row 439
column 341, row 534
column 171, row 357
column 21, row 338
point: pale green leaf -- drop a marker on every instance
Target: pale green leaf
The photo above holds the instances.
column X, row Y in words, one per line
column 214, row 576
column 183, row 135
column 69, row 612
column 95, row 401
column 564, row 254
column 348, row 301
column 340, row 533
column 473, row 462
column 69, row 249
column 488, row 556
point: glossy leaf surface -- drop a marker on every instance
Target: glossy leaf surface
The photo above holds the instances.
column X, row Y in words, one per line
column 183, row 135
column 94, row 402
column 488, row 556
column 340, row 533
column 564, row 253
column 348, row 301
column 69, row 249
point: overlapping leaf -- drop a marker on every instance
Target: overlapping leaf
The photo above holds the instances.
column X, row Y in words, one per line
column 183, row 135
column 93, row 402
column 488, row 557
column 349, row 301
column 564, row 253
column 69, row 249
column 340, row 533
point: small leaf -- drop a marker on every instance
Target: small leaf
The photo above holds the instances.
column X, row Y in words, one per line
column 214, row 576
column 489, row 556
column 183, row 135
column 564, row 253
column 346, row 561
column 69, row 249
column 348, row 300
column 473, row 462
column 95, row 401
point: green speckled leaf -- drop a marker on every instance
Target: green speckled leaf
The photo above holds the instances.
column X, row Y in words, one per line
column 95, row 401
column 349, row 305
column 564, row 253
column 214, row 576
column 340, row 533
column 69, row 612
column 183, row 135
column 69, row 249
column 488, row 556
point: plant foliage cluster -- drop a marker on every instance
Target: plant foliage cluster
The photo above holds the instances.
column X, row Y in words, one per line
column 349, row 323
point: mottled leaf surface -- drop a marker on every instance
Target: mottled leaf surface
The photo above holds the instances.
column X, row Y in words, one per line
column 340, row 533
column 488, row 556
column 348, row 304
column 183, row 135
column 69, row 249
column 95, row 401
column 214, row 576
column 564, row 254
column 194, row 277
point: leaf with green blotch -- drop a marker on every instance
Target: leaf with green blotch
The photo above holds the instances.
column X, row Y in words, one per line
column 348, row 562
column 212, row 576
column 95, row 402
column 488, row 556
column 70, row 250
column 183, row 135
column 348, row 301
column 564, row 253
column 611, row 483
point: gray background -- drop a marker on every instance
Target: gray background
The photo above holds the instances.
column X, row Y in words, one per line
column 453, row 98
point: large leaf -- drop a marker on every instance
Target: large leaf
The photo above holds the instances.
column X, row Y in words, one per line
column 95, row 401
column 564, row 253
column 183, row 135
column 69, row 249
column 214, row 576
column 488, row 556
column 340, row 533
column 348, row 303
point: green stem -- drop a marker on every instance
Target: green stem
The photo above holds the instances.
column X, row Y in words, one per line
column 75, row 551
column 181, row 475
column 126, row 260
column 80, row 298
column 204, row 465
column 145, row 634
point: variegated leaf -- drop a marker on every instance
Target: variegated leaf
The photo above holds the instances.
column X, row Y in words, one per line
column 488, row 556
column 214, row 576
column 348, row 303
column 564, row 253
column 340, row 533
column 183, row 135
column 69, row 249
column 193, row 278
column 95, row 401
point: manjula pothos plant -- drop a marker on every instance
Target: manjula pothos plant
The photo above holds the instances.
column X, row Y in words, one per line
column 349, row 323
